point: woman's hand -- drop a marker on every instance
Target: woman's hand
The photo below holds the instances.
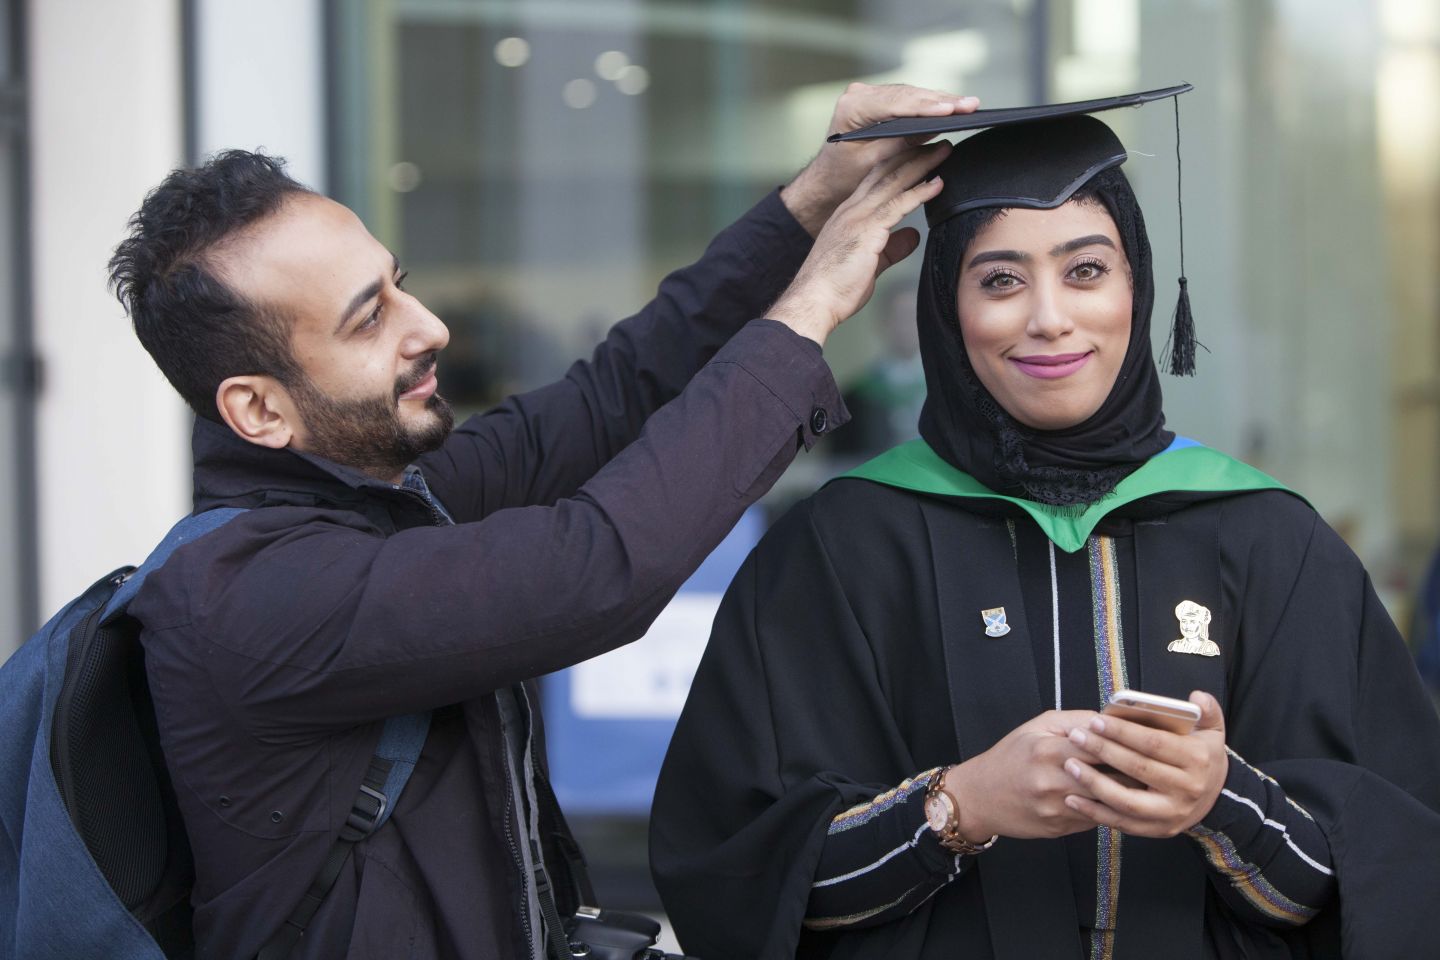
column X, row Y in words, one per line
column 1183, row 773
column 1018, row 787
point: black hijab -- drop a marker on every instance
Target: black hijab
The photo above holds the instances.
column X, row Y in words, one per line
column 964, row 424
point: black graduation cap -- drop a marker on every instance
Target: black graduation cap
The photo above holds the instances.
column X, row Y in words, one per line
column 1038, row 157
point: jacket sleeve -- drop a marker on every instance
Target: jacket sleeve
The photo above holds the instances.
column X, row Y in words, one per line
column 325, row 625
column 539, row 447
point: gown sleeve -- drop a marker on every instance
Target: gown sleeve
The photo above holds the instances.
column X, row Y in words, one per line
column 1325, row 699
column 880, row 861
column 786, row 697
column 1273, row 858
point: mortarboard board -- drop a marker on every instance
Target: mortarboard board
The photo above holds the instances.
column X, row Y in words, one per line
column 1037, row 157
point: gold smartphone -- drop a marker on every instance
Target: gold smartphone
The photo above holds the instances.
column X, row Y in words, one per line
column 1163, row 713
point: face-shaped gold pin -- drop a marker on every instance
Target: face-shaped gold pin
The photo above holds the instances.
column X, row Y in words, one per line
column 1194, row 631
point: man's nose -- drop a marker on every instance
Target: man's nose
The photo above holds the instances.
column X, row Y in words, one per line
column 426, row 332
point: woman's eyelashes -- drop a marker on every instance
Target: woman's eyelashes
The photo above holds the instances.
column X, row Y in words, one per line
column 1089, row 269
column 1000, row 278
column 1086, row 270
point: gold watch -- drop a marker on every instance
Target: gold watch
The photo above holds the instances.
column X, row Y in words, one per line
column 942, row 813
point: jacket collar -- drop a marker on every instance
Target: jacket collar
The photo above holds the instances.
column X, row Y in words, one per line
column 230, row 471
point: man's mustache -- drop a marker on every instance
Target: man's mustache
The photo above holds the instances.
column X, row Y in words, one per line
column 411, row 380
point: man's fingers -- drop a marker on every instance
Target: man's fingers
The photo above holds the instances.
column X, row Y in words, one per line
column 863, row 105
column 894, row 175
column 901, row 244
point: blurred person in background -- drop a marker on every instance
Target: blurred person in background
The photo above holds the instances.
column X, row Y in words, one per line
column 885, row 399
column 393, row 565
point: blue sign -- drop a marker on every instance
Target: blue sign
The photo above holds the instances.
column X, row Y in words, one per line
column 609, row 720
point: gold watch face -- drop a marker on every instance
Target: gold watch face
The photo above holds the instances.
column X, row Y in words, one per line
column 937, row 812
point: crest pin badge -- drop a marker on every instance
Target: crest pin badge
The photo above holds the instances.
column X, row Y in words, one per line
column 995, row 625
column 1194, row 631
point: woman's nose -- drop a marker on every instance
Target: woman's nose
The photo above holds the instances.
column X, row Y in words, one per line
column 1048, row 319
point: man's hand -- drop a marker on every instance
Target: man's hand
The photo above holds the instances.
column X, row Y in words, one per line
column 1018, row 787
column 839, row 167
column 1183, row 774
column 856, row 244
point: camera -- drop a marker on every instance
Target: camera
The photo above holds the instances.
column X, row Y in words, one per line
column 596, row 934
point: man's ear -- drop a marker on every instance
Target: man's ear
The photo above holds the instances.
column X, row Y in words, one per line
column 258, row 409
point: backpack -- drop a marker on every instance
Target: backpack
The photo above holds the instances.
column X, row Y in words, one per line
column 94, row 861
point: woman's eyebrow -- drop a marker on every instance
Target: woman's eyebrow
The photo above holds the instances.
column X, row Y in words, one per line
column 1070, row 246
column 990, row 255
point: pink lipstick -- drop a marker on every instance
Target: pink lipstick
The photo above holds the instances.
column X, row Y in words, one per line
column 1051, row 366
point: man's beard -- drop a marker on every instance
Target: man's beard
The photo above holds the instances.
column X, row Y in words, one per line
column 368, row 434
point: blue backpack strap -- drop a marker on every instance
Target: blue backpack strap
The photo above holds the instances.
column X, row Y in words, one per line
column 390, row 768
column 186, row 531
column 400, row 743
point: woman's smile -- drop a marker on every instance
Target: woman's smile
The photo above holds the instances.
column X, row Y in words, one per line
column 1052, row 367
column 1045, row 302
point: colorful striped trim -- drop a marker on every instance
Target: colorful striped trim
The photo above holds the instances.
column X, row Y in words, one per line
column 1110, row 667
column 1269, row 779
column 1102, row 944
column 861, row 871
column 1247, row 878
column 1105, row 596
column 866, row 812
column 830, row 923
column 1277, row 826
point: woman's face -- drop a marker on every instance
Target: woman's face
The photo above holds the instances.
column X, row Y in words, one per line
column 1044, row 305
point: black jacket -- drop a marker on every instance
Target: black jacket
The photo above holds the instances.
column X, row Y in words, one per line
column 277, row 645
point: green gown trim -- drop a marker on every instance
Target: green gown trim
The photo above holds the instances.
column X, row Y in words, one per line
column 1184, row 466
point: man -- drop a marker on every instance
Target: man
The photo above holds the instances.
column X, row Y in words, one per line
column 391, row 565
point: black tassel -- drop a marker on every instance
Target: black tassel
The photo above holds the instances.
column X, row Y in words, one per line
column 1180, row 345
column 1179, row 353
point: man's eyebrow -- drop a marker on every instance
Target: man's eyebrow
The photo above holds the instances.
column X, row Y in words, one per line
column 371, row 291
column 1070, row 246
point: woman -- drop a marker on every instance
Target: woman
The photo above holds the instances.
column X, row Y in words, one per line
column 892, row 747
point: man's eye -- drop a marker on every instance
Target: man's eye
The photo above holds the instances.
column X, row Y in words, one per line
column 400, row 279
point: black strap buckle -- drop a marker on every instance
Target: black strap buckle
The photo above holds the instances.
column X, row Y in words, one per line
column 363, row 817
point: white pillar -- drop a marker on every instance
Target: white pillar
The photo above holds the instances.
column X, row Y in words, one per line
column 260, row 81
column 105, row 127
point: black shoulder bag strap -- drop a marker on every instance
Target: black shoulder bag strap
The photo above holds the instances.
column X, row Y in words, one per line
column 400, row 743
column 557, row 941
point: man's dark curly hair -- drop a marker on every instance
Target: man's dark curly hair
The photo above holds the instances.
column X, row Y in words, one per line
column 197, row 329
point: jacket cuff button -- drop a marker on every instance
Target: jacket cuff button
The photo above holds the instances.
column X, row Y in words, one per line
column 819, row 420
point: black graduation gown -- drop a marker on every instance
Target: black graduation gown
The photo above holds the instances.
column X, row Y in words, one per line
column 849, row 654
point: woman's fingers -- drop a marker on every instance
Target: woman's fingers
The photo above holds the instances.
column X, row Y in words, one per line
column 1174, row 749
column 1136, row 810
